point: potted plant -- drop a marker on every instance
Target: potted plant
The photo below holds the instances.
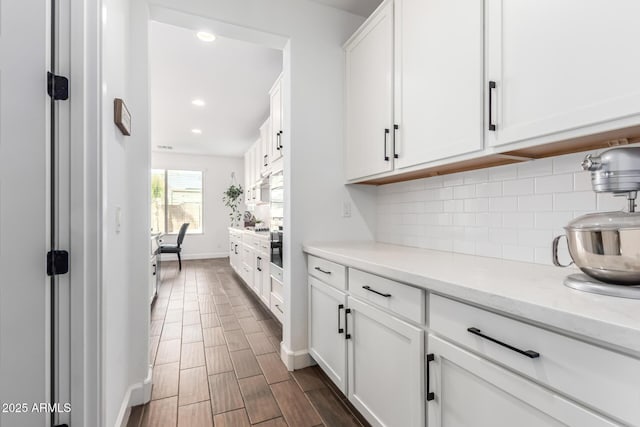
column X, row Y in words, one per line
column 231, row 198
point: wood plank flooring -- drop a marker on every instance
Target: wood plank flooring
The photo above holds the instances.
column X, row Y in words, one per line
column 216, row 356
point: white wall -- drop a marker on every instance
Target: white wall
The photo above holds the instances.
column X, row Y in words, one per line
column 511, row 212
column 313, row 122
column 116, row 264
column 216, row 174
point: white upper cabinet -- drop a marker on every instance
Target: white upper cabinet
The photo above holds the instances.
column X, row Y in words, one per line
column 439, row 62
column 562, row 69
column 277, row 119
column 369, row 96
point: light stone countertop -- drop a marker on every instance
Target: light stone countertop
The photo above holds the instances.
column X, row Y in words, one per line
column 529, row 291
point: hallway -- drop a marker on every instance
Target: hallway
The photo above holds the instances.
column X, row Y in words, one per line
column 216, row 359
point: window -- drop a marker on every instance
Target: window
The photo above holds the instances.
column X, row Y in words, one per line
column 176, row 198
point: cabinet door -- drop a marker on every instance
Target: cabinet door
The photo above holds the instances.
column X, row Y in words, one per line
column 265, row 292
column 386, row 366
column 276, row 121
column 439, row 79
column 471, row 391
column 562, row 69
column 327, row 343
column 369, row 96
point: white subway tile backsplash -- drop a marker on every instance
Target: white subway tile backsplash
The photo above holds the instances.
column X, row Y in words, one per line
column 554, row 184
column 582, row 181
column 489, row 189
column 464, row 191
column 534, row 168
column 517, row 187
column 537, row 203
column 511, row 212
column 518, row 220
column 503, row 204
column 577, row 201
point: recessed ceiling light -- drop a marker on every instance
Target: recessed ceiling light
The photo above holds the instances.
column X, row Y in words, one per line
column 198, row 102
column 205, row 36
column 196, row 131
column 165, row 147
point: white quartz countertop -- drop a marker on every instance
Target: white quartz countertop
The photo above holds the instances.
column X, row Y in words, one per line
column 529, row 291
column 265, row 234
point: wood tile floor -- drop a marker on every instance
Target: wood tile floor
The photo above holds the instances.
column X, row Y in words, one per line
column 215, row 351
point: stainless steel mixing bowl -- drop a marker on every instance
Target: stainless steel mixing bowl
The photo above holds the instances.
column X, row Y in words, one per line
column 606, row 246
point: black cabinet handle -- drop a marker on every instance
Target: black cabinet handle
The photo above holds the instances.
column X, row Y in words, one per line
column 265, row 160
column 259, row 259
column 430, row 394
column 492, row 85
column 368, row 288
column 279, row 309
column 395, row 132
column 155, row 269
column 236, row 250
column 347, row 335
column 279, row 137
column 322, row 271
column 529, row 353
column 386, row 134
column 340, row 330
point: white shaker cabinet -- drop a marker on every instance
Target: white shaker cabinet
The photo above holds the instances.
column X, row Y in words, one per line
column 439, row 61
column 277, row 120
column 468, row 390
column 369, row 96
column 327, row 343
column 561, row 69
column 385, row 365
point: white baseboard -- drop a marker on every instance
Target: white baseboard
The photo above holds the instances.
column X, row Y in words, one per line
column 185, row 257
column 295, row 359
column 137, row 394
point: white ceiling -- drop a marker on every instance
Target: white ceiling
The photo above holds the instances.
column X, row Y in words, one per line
column 358, row 7
column 233, row 77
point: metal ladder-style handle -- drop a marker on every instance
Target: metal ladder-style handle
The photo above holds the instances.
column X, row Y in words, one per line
column 529, row 353
column 347, row 335
column 368, row 288
column 322, row 271
column 386, row 134
column 340, row 330
column 430, row 395
column 492, row 85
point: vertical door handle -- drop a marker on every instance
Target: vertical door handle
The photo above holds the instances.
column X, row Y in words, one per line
column 430, row 394
column 492, row 86
column 259, row 264
column 279, row 136
column 265, row 160
column 386, row 134
column 347, row 335
column 395, row 133
column 340, row 330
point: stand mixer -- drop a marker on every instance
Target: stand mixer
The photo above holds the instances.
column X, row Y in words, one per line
column 606, row 246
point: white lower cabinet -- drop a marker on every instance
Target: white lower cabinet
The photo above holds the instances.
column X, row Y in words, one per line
column 385, row 365
column 327, row 343
column 469, row 390
column 381, row 355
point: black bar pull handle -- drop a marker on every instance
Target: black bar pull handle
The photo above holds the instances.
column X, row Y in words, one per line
column 347, row 335
column 492, row 85
column 322, row 271
column 259, row 266
column 430, row 394
column 265, row 160
column 395, row 133
column 386, row 135
column 368, row 288
column 340, row 330
column 529, row 353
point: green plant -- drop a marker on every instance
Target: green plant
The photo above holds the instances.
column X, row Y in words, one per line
column 231, row 199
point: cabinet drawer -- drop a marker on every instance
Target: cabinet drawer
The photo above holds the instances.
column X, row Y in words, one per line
column 404, row 300
column 329, row 272
column 276, row 287
column 276, row 273
column 277, row 307
column 601, row 378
